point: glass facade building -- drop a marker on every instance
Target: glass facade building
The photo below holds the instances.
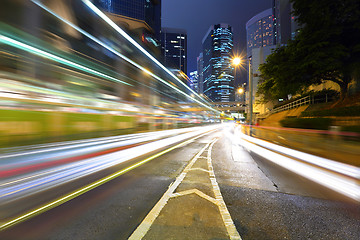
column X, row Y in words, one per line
column 194, row 84
column 200, row 71
column 174, row 48
column 218, row 73
column 259, row 31
column 148, row 11
column 285, row 25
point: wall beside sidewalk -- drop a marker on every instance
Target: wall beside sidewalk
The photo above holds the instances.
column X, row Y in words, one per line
column 274, row 119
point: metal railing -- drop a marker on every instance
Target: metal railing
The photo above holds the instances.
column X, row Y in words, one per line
column 297, row 103
column 311, row 99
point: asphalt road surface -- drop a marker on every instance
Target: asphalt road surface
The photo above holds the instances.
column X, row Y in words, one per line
column 175, row 196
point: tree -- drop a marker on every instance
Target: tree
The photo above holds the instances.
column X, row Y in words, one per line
column 326, row 48
column 280, row 75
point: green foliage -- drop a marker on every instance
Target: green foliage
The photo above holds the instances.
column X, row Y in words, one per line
column 277, row 75
column 336, row 112
column 308, row 123
column 326, row 48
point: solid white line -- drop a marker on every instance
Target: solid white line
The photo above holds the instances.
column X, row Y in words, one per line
column 229, row 224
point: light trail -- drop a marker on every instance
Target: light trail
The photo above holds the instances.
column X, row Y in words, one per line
column 137, row 45
column 88, row 142
column 41, row 53
column 14, row 166
column 339, row 177
column 342, row 168
column 90, row 165
column 117, row 28
column 80, row 191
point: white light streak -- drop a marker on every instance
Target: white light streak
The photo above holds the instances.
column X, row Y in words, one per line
column 118, row 29
column 137, row 45
column 338, row 177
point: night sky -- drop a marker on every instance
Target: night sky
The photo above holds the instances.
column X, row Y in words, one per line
column 196, row 16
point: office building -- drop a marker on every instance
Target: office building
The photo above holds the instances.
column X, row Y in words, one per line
column 200, row 69
column 140, row 16
column 260, row 43
column 174, row 48
column 259, row 56
column 285, row 25
column 194, row 84
column 259, row 31
column 218, row 73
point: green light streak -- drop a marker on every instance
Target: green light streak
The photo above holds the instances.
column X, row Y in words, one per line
column 41, row 53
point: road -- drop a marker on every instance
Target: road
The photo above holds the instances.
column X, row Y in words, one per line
column 158, row 200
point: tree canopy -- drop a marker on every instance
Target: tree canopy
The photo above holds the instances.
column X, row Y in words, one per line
column 327, row 47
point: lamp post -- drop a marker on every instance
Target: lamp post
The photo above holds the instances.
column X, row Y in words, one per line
column 236, row 61
column 250, row 96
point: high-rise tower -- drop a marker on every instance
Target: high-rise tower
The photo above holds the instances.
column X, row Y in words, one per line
column 200, row 71
column 142, row 16
column 285, row 25
column 259, row 31
column 218, row 73
column 174, row 48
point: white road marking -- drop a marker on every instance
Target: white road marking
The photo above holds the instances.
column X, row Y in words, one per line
column 197, row 192
column 198, row 169
column 229, row 224
column 145, row 225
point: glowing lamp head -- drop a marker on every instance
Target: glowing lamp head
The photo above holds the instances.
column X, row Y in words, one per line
column 236, row 61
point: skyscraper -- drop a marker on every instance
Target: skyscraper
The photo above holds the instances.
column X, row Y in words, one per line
column 174, row 48
column 285, row 26
column 200, row 70
column 135, row 12
column 218, row 74
column 259, row 31
column 260, row 43
column 194, row 84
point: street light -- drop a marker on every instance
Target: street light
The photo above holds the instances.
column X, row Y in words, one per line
column 236, row 61
column 250, row 96
column 240, row 90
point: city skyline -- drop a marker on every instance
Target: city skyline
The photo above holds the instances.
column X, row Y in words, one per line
column 202, row 14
